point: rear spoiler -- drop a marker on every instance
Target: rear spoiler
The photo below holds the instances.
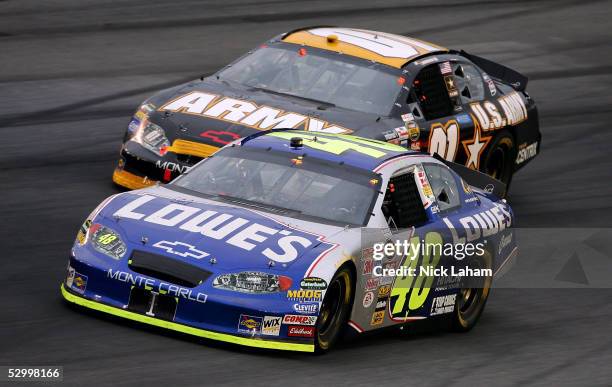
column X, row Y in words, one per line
column 474, row 178
column 515, row 79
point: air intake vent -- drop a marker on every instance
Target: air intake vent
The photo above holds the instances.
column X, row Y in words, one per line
column 167, row 269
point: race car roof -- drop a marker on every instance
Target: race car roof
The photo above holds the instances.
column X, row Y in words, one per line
column 336, row 148
column 390, row 49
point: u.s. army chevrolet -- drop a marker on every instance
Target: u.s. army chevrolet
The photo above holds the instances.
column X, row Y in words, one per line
column 340, row 81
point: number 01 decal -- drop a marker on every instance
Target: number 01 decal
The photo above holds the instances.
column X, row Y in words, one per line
column 444, row 139
column 409, row 293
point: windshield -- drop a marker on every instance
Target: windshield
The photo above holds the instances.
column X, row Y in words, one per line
column 331, row 78
column 278, row 183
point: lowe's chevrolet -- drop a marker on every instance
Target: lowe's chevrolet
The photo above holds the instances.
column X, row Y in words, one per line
column 274, row 242
column 344, row 81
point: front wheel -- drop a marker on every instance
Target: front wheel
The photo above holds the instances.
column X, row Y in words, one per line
column 471, row 299
column 335, row 310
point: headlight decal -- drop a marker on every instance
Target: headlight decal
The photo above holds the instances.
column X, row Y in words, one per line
column 151, row 136
column 252, row 282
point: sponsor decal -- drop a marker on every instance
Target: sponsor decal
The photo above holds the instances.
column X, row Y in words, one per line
column 448, row 282
column 444, row 139
column 414, row 133
column 483, row 224
column 391, row 136
column 181, row 249
column 445, row 68
column 157, row 286
column 402, row 133
column 300, row 331
column 79, row 283
column 503, row 242
column 306, row 307
column 427, row 193
column 220, row 136
column 381, row 304
column 313, row 283
column 134, row 125
column 387, row 280
column 377, row 318
column 249, row 324
column 442, row 305
column 511, row 111
column 526, row 152
column 367, row 266
column 70, row 277
column 368, row 299
column 492, row 88
column 367, row 253
column 474, row 148
column 295, row 319
column 83, row 231
column 170, row 166
column 271, row 325
column 407, row 117
column 279, row 243
column 371, row 283
column 305, row 295
column 384, row 291
column 246, row 113
column 464, row 119
column 450, row 86
column 407, row 294
column 338, row 146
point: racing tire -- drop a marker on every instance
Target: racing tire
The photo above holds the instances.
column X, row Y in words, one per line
column 499, row 160
column 471, row 300
column 335, row 310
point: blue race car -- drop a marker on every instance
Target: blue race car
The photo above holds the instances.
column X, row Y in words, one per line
column 286, row 239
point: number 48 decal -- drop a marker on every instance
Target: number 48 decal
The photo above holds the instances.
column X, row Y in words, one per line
column 410, row 292
column 444, row 139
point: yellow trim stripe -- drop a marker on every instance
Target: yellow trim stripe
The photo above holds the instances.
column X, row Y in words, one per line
column 309, row 39
column 192, row 148
column 131, row 181
column 259, row 343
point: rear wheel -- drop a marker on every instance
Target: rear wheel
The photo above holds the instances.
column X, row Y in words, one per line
column 499, row 162
column 335, row 310
column 471, row 299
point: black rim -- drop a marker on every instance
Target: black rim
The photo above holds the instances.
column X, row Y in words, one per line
column 468, row 301
column 330, row 309
column 333, row 310
column 471, row 300
column 496, row 167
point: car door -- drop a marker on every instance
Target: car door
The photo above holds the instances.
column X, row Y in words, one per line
column 435, row 106
column 411, row 210
column 439, row 102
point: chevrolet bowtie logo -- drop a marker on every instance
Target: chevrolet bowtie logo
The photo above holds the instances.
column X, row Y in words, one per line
column 181, row 249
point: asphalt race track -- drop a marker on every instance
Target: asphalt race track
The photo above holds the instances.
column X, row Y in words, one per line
column 72, row 73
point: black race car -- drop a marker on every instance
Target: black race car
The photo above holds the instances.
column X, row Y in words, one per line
column 339, row 80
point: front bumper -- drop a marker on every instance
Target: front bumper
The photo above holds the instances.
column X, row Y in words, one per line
column 165, row 292
column 140, row 168
column 251, row 342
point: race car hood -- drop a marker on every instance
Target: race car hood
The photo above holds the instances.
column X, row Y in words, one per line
column 217, row 112
column 200, row 231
